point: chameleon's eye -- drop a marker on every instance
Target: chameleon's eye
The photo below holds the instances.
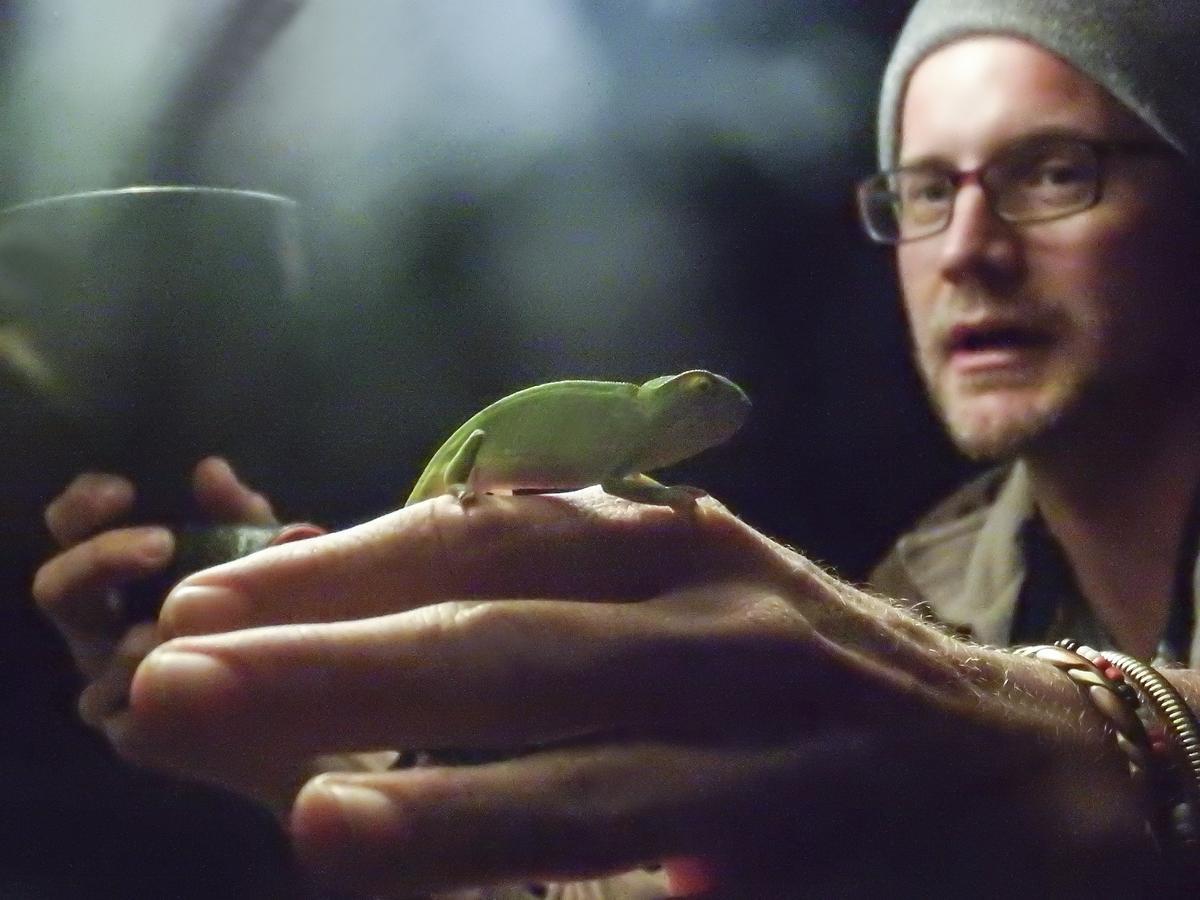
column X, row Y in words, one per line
column 700, row 382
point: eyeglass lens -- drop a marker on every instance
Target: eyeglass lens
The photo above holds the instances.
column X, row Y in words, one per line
column 1034, row 181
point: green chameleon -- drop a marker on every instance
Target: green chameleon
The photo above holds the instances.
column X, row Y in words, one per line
column 560, row 435
column 564, row 434
column 568, row 434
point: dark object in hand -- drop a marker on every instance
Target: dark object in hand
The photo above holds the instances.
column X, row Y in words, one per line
column 200, row 547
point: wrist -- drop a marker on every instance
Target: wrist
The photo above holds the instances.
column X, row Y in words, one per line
column 1129, row 801
column 1020, row 760
column 1047, row 787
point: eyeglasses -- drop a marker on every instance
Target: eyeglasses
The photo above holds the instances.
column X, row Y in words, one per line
column 1034, row 180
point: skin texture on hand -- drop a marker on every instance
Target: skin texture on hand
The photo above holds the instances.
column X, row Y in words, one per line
column 680, row 686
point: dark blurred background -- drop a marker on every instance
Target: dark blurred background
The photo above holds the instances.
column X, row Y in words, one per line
column 486, row 196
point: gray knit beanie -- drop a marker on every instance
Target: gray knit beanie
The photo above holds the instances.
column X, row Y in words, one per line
column 1145, row 52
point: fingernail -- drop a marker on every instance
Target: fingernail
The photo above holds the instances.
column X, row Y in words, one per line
column 358, row 803
column 218, row 464
column 334, row 816
column 179, row 678
column 157, row 544
column 201, row 609
column 112, row 489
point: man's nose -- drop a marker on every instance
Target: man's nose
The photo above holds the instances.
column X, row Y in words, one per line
column 977, row 243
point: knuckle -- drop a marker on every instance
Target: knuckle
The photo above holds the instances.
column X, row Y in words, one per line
column 745, row 630
column 461, row 539
column 769, row 612
column 468, row 625
column 489, row 621
column 738, row 611
column 768, row 635
column 484, row 519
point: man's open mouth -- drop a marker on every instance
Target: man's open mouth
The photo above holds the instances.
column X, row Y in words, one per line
column 995, row 336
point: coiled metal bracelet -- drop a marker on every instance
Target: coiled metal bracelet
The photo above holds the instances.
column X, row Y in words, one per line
column 1181, row 723
column 1126, row 692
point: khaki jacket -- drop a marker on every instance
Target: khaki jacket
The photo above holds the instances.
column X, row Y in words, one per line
column 963, row 563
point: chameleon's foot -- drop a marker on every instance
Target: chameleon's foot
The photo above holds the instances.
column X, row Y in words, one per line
column 464, row 494
column 683, row 497
column 643, row 489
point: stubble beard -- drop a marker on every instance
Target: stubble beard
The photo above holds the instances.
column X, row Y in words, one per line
column 988, row 431
column 987, row 438
column 997, row 417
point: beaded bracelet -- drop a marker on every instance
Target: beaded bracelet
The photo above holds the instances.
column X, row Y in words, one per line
column 1111, row 696
column 1180, row 723
column 1142, row 708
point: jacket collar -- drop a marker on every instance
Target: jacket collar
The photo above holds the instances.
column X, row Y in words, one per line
column 969, row 570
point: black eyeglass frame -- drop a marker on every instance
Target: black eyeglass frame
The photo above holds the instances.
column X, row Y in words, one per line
column 1100, row 150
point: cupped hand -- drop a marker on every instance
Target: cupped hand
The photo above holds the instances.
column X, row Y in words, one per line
column 664, row 687
column 79, row 589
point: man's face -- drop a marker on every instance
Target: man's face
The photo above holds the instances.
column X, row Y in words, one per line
column 1020, row 330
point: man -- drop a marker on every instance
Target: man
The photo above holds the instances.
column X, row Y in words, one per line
column 691, row 691
column 1054, row 331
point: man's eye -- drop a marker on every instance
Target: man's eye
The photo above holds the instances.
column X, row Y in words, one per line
column 926, row 190
column 1056, row 173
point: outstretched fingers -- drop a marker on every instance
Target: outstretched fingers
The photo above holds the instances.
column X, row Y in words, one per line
column 483, row 675
column 585, row 546
column 563, row 814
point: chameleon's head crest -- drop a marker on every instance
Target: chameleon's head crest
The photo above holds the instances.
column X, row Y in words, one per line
column 697, row 410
